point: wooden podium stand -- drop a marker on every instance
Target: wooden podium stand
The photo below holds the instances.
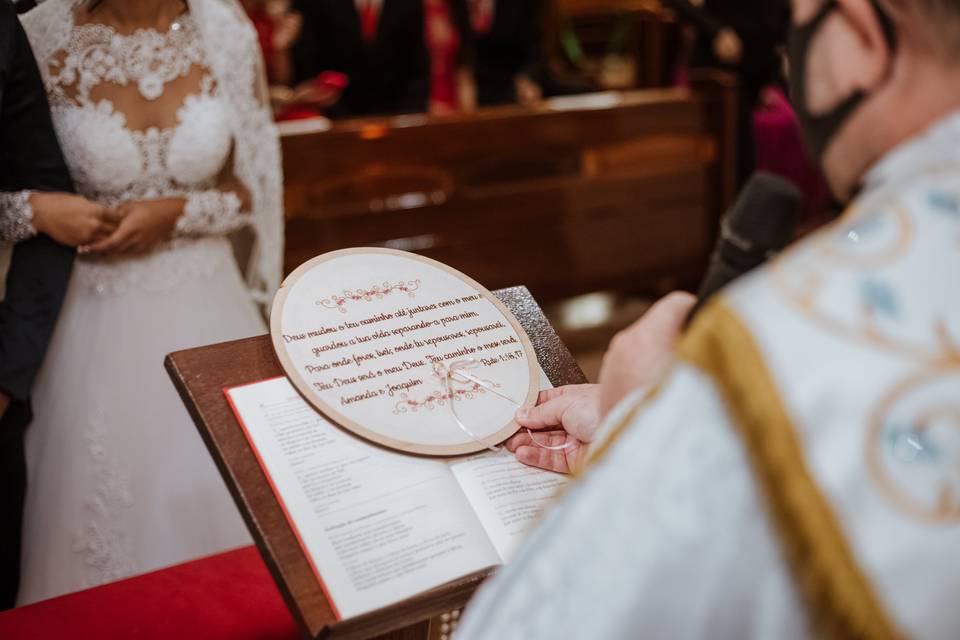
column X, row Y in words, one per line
column 201, row 375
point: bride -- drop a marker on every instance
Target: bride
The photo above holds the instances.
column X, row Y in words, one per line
column 160, row 107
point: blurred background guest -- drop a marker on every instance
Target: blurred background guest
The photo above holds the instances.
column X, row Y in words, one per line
column 277, row 29
column 510, row 65
column 449, row 43
column 746, row 38
column 379, row 45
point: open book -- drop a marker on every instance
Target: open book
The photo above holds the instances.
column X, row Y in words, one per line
column 380, row 527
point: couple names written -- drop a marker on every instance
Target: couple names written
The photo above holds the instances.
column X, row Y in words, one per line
column 397, row 352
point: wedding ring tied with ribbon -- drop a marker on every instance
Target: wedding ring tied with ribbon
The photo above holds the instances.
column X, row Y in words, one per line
column 459, row 370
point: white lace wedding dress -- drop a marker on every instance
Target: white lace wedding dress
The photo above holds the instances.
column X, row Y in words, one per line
column 120, row 482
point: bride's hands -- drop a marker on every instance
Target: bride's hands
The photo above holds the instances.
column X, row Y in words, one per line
column 69, row 219
column 141, row 225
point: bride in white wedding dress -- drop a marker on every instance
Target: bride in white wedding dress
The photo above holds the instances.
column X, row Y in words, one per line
column 160, row 109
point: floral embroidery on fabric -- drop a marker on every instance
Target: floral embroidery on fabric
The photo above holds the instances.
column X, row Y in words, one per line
column 456, row 391
column 946, row 203
column 914, row 446
column 98, row 53
column 879, row 298
column 16, row 216
column 103, row 545
column 376, row 292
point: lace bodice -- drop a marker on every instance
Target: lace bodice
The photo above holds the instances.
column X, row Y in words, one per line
column 139, row 117
column 112, row 160
column 183, row 110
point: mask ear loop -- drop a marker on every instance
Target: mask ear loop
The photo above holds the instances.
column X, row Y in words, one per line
column 887, row 24
column 458, row 370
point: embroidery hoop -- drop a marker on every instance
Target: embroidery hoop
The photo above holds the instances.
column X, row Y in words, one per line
column 468, row 445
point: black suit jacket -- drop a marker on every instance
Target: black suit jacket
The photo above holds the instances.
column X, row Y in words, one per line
column 514, row 45
column 30, row 158
column 388, row 75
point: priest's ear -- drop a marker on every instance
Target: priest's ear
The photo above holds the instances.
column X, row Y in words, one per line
column 867, row 41
column 848, row 53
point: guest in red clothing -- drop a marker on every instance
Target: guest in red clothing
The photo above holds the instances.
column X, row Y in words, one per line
column 277, row 29
column 510, row 65
column 395, row 56
column 448, row 38
column 379, row 45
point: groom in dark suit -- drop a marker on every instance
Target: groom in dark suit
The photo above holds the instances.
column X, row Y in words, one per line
column 30, row 159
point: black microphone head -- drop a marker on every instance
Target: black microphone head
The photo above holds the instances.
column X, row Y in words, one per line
column 764, row 217
column 760, row 223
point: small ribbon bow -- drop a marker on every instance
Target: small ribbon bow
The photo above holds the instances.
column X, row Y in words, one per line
column 459, row 370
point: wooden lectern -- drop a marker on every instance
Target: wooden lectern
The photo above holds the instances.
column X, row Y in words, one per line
column 202, row 374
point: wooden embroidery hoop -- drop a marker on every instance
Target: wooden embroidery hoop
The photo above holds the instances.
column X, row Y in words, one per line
column 303, row 387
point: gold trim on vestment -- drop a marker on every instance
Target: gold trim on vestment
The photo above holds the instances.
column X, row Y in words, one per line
column 839, row 598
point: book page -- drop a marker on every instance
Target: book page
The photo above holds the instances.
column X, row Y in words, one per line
column 377, row 527
column 508, row 496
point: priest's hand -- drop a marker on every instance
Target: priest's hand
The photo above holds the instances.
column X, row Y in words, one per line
column 636, row 358
column 638, row 355
column 565, row 415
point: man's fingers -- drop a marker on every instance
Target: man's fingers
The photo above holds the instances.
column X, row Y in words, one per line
column 103, row 229
column 533, row 456
column 549, row 439
column 549, row 394
column 546, row 415
column 532, row 450
column 116, row 242
column 555, row 392
column 101, row 246
column 519, row 440
column 113, row 216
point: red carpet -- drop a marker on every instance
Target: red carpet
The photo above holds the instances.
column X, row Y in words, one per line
column 230, row 596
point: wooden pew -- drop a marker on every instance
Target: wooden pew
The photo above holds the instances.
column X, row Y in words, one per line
column 618, row 191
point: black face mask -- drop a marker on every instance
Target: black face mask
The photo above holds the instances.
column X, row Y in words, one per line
column 819, row 129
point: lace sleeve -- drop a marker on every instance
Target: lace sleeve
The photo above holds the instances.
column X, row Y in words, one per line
column 211, row 212
column 16, row 216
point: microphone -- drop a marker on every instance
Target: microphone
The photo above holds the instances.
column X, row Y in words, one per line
column 761, row 222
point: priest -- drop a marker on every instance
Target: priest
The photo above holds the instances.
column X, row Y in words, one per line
column 794, row 470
